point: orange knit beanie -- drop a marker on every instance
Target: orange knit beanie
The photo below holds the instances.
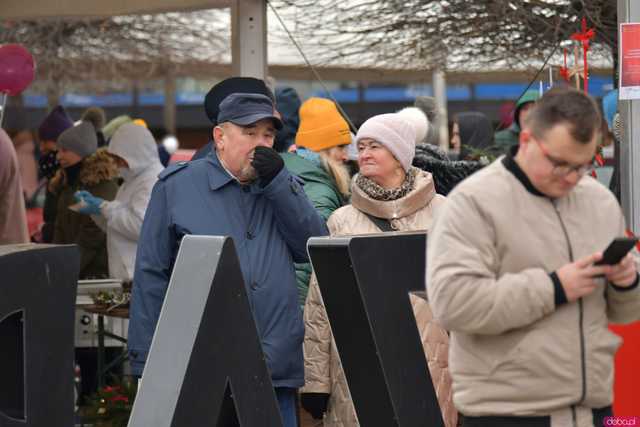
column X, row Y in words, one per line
column 321, row 126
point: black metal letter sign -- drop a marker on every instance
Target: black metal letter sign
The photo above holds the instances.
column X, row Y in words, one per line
column 365, row 284
column 37, row 299
column 206, row 366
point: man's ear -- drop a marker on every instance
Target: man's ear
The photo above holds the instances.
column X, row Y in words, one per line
column 217, row 133
column 524, row 137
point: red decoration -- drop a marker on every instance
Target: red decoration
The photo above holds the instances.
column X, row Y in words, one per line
column 120, row 398
column 583, row 37
column 630, row 234
column 17, row 69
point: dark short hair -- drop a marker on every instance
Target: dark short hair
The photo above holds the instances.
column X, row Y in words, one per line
column 565, row 105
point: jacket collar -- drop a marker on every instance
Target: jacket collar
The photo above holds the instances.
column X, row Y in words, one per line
column 73, row 173
column 422, row 194
column 218, row 175
column 510, row 164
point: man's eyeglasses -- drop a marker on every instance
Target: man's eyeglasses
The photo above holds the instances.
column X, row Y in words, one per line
column 562, row 168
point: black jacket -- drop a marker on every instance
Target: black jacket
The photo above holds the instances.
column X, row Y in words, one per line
column 446, row 173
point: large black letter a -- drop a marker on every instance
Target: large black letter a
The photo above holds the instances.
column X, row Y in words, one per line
column 205, row 365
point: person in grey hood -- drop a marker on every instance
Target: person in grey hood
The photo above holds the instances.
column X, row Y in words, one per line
column 472, row 131
column 133, row 149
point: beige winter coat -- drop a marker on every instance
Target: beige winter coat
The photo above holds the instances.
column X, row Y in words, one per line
column 323, row 371
column 13, row 216
column 512, row 351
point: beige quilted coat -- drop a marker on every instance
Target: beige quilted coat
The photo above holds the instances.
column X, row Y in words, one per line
column 323, row 371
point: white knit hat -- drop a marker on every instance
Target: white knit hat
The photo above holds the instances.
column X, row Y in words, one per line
column 396, row 132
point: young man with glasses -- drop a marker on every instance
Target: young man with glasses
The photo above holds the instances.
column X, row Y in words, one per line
column 510, row 272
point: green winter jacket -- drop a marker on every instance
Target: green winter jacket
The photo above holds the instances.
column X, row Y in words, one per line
column 323, row 193
column 97, row 176
column 507, row 138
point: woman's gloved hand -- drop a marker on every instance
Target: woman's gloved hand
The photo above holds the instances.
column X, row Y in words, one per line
column 91, row 203
column 315, row 403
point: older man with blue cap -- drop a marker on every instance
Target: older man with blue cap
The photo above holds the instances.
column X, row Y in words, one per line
column 219, row 92
column 241, row 190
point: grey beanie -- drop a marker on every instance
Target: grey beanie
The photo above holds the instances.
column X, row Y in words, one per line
column 81, row 139
column 395, row 133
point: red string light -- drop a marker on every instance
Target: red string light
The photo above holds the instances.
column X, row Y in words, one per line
column 564, row 71
column 583, row 37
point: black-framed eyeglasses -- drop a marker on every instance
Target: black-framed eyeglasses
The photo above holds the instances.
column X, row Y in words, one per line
column 562, row 168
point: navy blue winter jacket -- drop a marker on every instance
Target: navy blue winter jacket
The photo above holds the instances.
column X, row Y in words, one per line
column 270, row 227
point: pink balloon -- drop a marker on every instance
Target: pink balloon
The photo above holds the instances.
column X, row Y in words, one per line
column 17, row 69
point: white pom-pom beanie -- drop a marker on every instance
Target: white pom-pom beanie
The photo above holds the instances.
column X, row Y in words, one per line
column 418, row 120
column 396, row 132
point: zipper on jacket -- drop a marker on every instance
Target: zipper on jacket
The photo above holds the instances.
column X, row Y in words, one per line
column 583, row 365
column 574, row 416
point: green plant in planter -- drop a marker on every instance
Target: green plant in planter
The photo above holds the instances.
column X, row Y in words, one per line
column 111, row 405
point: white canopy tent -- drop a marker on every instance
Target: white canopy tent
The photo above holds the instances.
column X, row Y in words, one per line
column 36, row 9
column 248, row 28
column 248, row 21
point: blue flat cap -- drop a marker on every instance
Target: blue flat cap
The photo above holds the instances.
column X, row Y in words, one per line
column 243, row 109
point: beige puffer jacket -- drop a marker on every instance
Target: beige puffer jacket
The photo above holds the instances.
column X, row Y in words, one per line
column 323, row 371
column 513, row 351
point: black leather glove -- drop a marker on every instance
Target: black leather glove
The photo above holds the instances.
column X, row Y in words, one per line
column 315, row 403
column 267, row 164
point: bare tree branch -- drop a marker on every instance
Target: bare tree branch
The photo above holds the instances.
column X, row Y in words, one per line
column 451, row 34
column 99, row 50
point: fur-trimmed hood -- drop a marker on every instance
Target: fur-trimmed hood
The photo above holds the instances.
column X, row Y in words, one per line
column 96, row 168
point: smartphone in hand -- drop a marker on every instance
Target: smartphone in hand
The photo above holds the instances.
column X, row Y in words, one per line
column 616, row 251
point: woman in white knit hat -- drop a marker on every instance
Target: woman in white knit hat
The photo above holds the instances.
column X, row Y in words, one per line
column 388, row 194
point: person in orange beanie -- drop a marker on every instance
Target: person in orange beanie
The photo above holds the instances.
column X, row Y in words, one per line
column 318, row 160
column 323, row 137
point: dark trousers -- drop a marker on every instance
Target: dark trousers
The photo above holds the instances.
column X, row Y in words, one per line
column 598, row 420
column 287, row 402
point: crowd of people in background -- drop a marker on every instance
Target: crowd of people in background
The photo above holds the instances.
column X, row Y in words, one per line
column 304, row 141
column 275, row 172
column 37, row 167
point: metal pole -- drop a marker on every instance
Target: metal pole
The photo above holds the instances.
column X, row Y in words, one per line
column 170, row 103
column 629, row 11
column 101, row 353
column 440, row 94
column 3, row 106
column 249, row 38
column 135, row 99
